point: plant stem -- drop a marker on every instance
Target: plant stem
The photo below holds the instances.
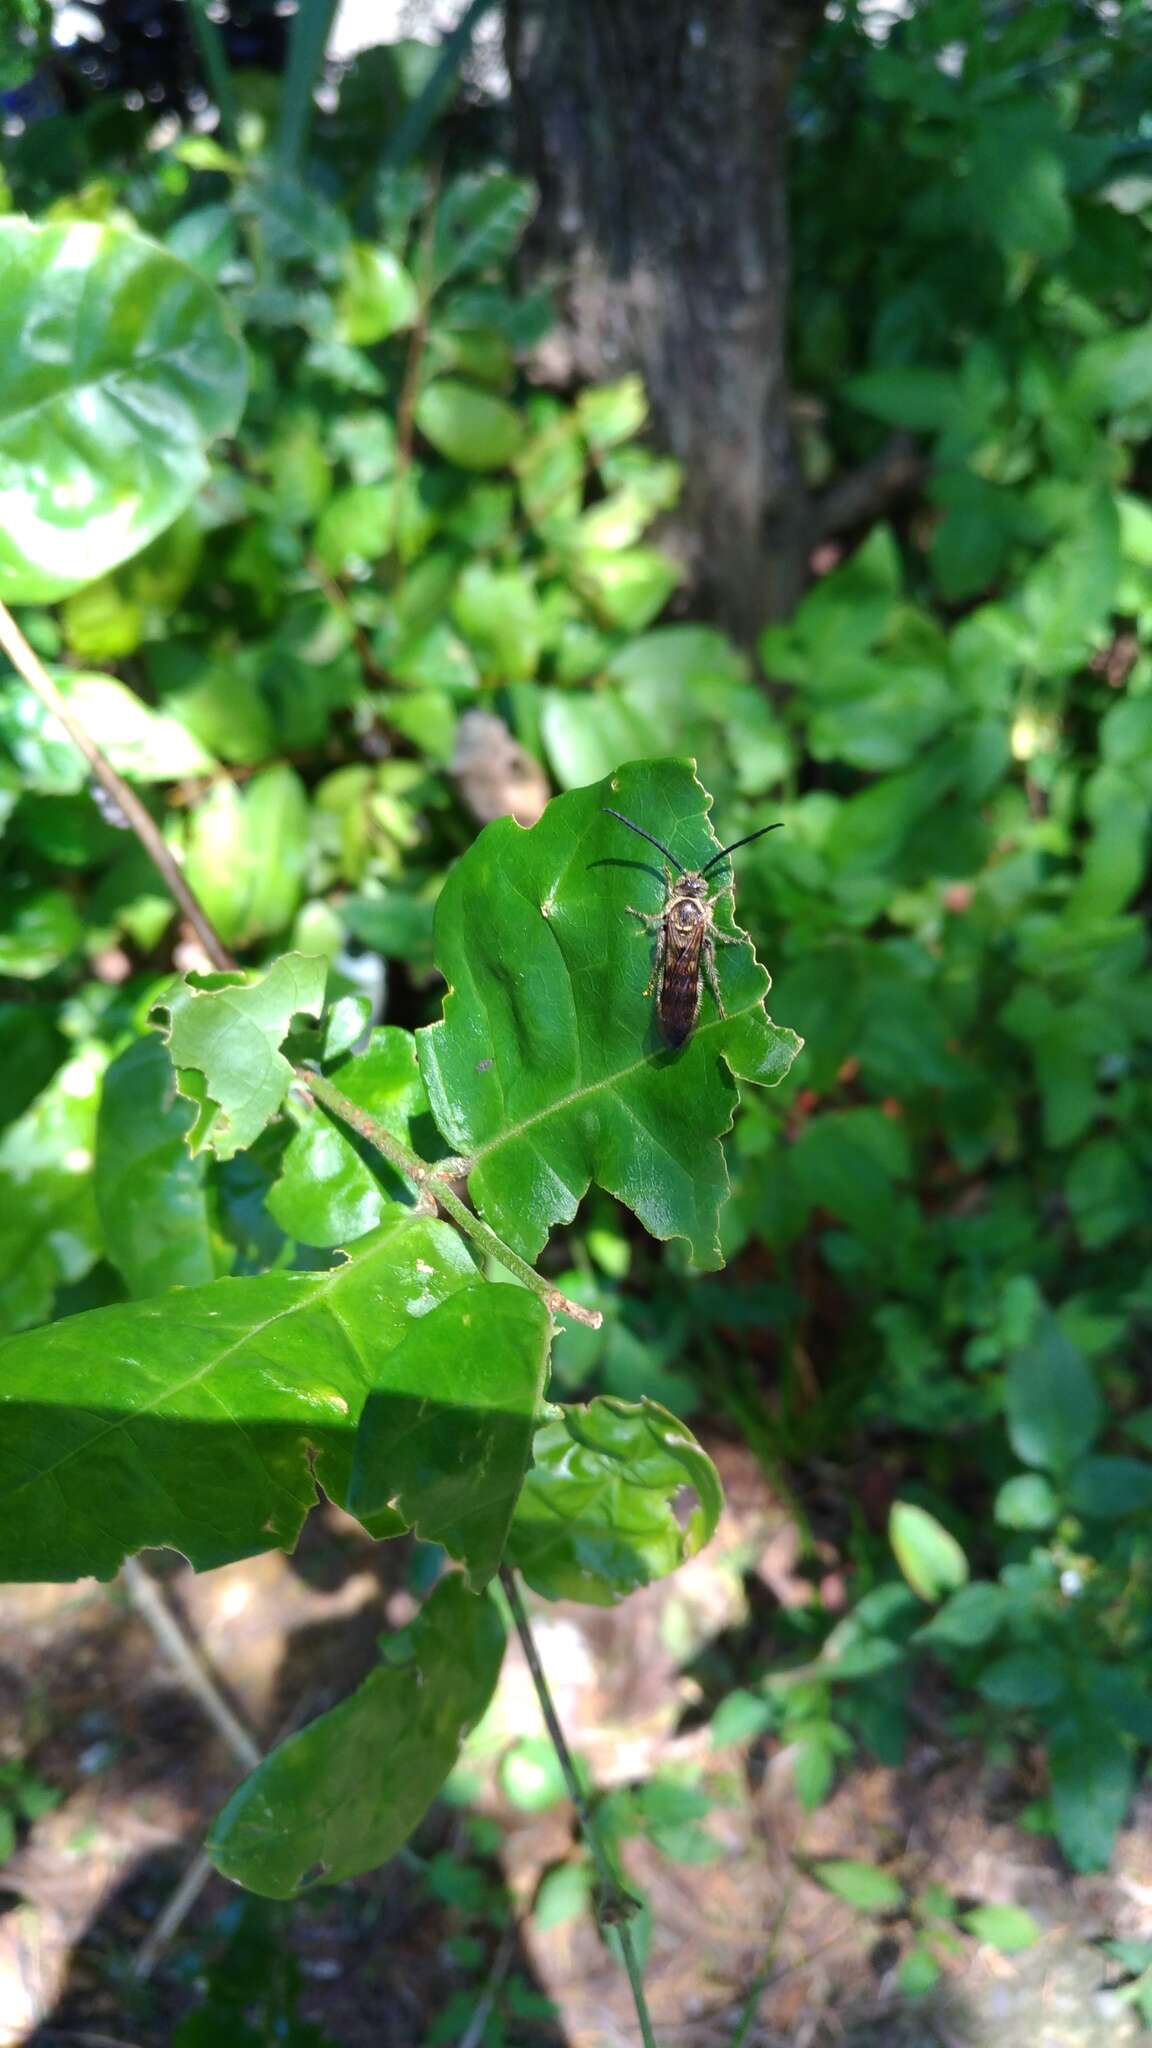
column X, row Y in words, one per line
column 434, row 1179
column 217, row 75
column 759, row 1982
column 307, row 44
column 611, row 1891
column 424, row 109
column 28, row 664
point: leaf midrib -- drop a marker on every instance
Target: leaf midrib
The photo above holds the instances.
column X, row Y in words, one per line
column 479, row 1153
column 316, row 1295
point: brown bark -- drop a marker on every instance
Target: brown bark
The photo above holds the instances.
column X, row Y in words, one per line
column 657, row 130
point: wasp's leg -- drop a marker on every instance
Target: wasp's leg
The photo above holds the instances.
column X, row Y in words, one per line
column 658, row 963
column 728, row 938
column 648, row 917
column 708, row 956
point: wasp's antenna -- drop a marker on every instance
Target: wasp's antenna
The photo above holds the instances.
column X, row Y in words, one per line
column 657, row 843
column 726, row 850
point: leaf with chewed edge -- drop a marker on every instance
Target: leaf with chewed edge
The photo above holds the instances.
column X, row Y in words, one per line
column 548, row 1071
column 229, row 1028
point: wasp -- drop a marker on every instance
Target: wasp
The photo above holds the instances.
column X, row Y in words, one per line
column 686, row 944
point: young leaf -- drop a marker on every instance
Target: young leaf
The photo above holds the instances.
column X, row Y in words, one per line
column 120, row 367
column 548, row 1070
column 860, row 1885
column 927, row 1554
column 229, row 1028
column 147, row 745
column 447, row 1441
column 597, row 1515
column 203, row 1421
column 469, row 427
column 149, row 1189
column 345, row 1794
column 1008, row 1928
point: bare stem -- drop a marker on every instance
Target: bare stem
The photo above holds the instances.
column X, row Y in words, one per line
column 614, row 1903
column 28, row 664
column 434, row 1180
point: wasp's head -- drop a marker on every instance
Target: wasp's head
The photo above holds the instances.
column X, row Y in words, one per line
column 693, row 885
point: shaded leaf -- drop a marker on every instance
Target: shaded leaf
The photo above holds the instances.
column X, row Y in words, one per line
column 149, row 1189
column 332, row 1189
column 345, row 1794
column 203, row 1422
column 120, row 367
column 598, row 1513
column 547, row 1070
column 229, row 1028
column 447, row 1442
column 1091, row 1772
column 1053, row 1405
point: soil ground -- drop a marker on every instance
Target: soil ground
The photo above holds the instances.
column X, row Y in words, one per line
column 422, row 1951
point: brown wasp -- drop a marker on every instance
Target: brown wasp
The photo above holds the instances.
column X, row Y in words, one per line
column 687, row 936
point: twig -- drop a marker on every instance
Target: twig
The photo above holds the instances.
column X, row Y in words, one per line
column 28, row 664
column 760, row 1981
column 614, row 1901
column 474, row 2032
column 150, row 1603
column 899, row 466
column 434, row 1181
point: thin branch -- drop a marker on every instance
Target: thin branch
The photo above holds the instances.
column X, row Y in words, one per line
column 615, row 1904
column 434, row 1181
column 217, row 74
column 28, row 664
column 150, row 1603
column 899, row 466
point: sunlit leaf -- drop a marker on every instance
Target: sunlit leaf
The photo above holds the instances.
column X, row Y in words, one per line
column 620, row 1493
column 120, row 367
column 229, row 1028
column 928, row 1554
column 146, row 745
column 204, row 1421
column 548, row 1071
column 470, row 427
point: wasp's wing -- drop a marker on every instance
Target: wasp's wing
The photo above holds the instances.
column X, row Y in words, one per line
column 679, row 1001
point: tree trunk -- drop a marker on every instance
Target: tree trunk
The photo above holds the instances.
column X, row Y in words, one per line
column 657, row 130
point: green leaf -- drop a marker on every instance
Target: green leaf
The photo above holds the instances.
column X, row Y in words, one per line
column 145, row 745
column 1026, row 1502
column 598, row 1513
column 120, row 367
column 378, row 296
column 332, row 1189
column 564, row 1892
column 1091, row 1774
column 229, row 1028
column 860, row 1885
column 345, row 1794
column 1114, row 373
column 547, row 1070
column 149, row 1190
column 49, row 1232
column 1052, row 1402
column 446, row 1443
column 918, row 1972
column 467, row 426
column 1024, row 1679
column 1108, row 1488
column 204, row 1421
column 479, row 222
column 928, row 1555
column 38, row 931
column 968, row 1618
column 611, row 413
column 531, row 1776
column 499, row 612
column 1007, row 1928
